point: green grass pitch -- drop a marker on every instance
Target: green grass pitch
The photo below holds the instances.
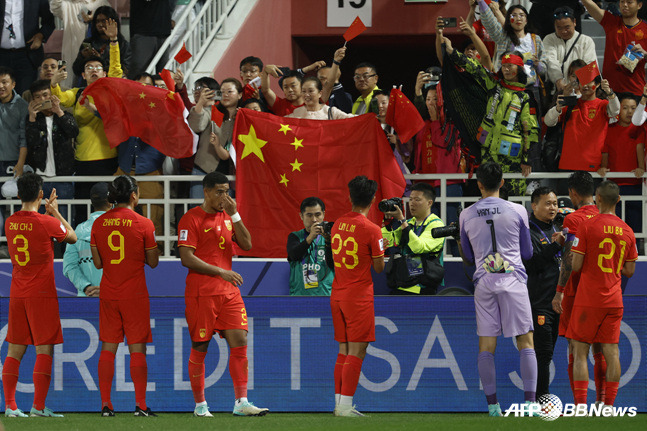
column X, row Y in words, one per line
column 318, row 421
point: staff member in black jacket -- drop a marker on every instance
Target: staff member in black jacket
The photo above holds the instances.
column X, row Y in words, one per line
column 543, row 272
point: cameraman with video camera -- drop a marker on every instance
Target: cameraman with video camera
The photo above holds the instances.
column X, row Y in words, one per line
column 415, row 264
column 309, row 273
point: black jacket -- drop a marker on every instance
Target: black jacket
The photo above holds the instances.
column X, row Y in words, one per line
column 37, row 18
column 64, row 132
column 543, row 267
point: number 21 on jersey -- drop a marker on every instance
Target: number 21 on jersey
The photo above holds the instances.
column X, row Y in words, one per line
column 602, row 257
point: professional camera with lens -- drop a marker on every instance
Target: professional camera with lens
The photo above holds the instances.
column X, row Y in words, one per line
column 327, row 226
column 451, row 229
column 389, row 204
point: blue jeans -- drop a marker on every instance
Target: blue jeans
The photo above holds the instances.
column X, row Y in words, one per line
column 197, row 191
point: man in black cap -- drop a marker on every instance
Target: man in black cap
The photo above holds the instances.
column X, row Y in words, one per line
column 77, row 260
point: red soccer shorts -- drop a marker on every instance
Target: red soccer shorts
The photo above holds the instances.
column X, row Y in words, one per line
column 567, row 307
column 129, row 317
column 354, row 321
column 595, row 325
column 207, row 315
column 34, row 321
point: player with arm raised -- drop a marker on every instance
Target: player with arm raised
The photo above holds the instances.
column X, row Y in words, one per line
column 121, row 242
column 605, row 248
column 356, row 244
column 33, row 303
column 495, row 236
column 212, row 296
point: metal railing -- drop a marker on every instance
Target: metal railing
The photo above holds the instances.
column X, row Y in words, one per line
column 170, row 202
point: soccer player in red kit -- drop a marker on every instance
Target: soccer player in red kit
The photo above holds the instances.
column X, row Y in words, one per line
column 604, row 248
column 212, row 295
column 122, row 241
column 33, row 303
column 356, row 244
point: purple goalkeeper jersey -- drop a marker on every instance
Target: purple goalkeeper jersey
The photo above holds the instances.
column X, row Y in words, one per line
column 494, row 225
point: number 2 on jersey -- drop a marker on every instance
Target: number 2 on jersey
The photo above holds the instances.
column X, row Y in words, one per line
column 609, row 256
column 116, row 247
column 350, row 246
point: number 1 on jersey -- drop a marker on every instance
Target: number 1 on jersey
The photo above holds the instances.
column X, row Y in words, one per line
column 493, row 234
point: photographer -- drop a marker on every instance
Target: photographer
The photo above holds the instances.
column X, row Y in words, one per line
column 309, row 273
column 543, row 273
column 413, row 238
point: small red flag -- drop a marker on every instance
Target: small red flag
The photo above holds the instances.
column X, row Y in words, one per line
column 248, row 92
column 355, row 29
column 588, row 73
column 403, row 116
column 217, row 116
column 168, row 79
column 183, row 55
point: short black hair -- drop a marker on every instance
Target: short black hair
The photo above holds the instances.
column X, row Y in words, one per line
column 310, row 202
column 145, row 75
column 254, row 61
column 426, row 189
column 490, row 174
column 250, row 101
column 209, row 82
column 292, row 74
column 608, row 192
column 582, row 183
column 539, row 192
column 362, row 191
column 120, row 189
column 213, row 178
column 563, row 12
column 94, row 58
column 8, row 71
column 366, row 64
column 40, row 85
column 29, row 185
column 627, row 95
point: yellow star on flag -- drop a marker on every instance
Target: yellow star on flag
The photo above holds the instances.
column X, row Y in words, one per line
column 142, row 95
column 284, row 180
column 253, row 144
column 297, row 143
column 284, row 128
column 296, row 166
column 507, row 56
column 152, row 104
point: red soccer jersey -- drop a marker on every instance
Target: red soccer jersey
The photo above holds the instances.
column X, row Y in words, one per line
column 211, row 235
column 584, row 136
column 283, row 107
column 122, row 237
column 29, row 238
column 355, row 242
column 618, row 36
column 572, row 221
column 485, row 37
column 621, row 146
column 606, row 243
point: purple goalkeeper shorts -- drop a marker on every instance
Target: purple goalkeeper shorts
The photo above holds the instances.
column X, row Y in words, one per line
column 502, row 302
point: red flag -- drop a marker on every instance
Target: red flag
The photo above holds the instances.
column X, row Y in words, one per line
column 217, row 116
column 129, row 108
column 168, row 79
column 588, row 73
column 403, row 116
column 355, row 29
column 183, row 55
column 281, row 161
column 248, row 92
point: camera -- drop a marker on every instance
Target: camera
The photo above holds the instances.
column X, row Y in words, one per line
column 389, row 204
column 450, row 22
column 451, row 229
column 326, row 226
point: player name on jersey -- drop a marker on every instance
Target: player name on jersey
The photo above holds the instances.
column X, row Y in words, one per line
column 613, row 230
column 488, row 211
column 20, row 226
column 118, row 222
column 346, row 227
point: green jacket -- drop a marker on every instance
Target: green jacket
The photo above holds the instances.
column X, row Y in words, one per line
column 309, row 273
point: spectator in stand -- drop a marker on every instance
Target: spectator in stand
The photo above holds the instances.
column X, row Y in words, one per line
column 365, row 77
column 250, row 69
column 76, row 15
column 565, row 45
column 47, row 70
column 253, row 104
column 542, row 14
column 402, row 152
column 150, row 25
column 232, row 94
column 622, row 31
column 98, row 44
column 473, row 47
column 26, row 26
column 333, row 91
column 312, row 109
column 498, row 9
column 290, row 81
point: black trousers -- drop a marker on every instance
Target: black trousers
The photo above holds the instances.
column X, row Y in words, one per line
column 546, row 323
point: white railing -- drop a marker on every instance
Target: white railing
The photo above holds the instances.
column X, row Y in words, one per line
column 196, row 32
column 168, row 236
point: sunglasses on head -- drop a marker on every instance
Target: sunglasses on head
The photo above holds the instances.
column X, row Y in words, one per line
column 563, row 14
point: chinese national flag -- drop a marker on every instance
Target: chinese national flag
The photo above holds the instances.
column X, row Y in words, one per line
column 183, row 55
column 129, row 108
column 281, row 161
column 403, row 116
column 355, row 29
column 166, row 76
column 588, row 73
column 217, row 116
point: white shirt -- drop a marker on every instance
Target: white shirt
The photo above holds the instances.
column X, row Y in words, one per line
column 13, row 14
column 50, row 168
column 555, row 50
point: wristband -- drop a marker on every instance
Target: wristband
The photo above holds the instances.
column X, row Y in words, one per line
column 338, row 63
column 114, row 41
column 236, row 218
column 560, row 289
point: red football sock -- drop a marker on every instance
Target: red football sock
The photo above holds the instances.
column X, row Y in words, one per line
column 10, row 381
column 570, row 372
column 42, row 377
column 612, row 391
column 579, row 391
column 350, row 375
column 339, row 367
column 238, row 370
column 599, row 374
column 139, row 375
column 106, row 373
column 196, row 374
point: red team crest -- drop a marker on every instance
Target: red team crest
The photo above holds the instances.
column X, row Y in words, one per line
column 541, row 320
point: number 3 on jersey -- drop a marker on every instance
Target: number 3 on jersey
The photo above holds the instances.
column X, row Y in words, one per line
column 23, row 249
column 350, row 248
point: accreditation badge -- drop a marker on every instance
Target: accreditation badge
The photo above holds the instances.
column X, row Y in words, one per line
column 310, row 279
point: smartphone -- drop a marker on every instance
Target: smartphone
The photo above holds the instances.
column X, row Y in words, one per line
column 256, row 82
column 62, row 63
column 47, row 104
column 450, row 22
column 570, row 100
